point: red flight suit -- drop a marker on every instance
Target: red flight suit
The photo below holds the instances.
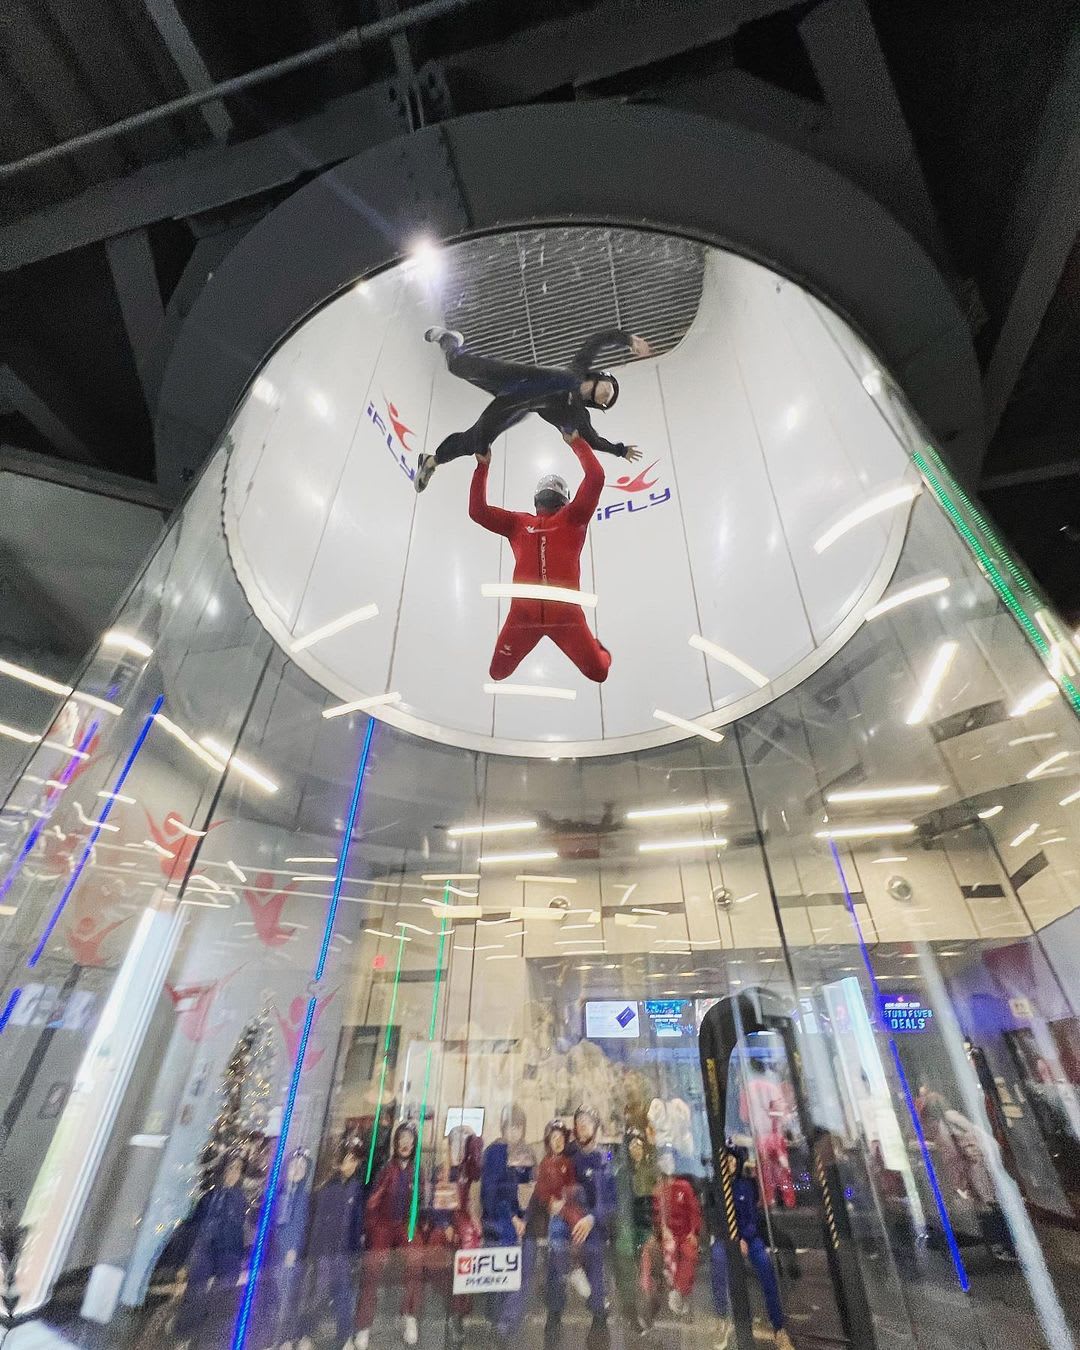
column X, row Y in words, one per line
column 547, row 551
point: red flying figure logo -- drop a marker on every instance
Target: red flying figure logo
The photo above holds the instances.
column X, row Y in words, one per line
column 193, row 1002
column 400, row 429
column 266, row 906
column 182, row 846
column 293, row 1027
column 85, row 938
column 638, row 484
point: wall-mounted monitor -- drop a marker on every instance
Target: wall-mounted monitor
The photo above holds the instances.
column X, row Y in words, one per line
column 612, row 1019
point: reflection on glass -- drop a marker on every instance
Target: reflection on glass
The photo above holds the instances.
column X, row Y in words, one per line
column 347, row 1003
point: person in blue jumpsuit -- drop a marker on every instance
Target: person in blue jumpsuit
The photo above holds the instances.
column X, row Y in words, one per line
column 217, row 1251
column 507, row 1165
column 589, row 1236
column 336, row 1236
column 279, row 1318
column 750, row 1222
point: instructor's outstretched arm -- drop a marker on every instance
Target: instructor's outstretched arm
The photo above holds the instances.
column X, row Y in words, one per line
column 589, row 489
column 492, row 518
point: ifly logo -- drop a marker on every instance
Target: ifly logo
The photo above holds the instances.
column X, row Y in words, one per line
column 387, row 435
column 625, row 1017
column 487, row 1268
column 655, row 499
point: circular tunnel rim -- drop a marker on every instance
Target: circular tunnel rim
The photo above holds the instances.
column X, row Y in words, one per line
column 517, row 168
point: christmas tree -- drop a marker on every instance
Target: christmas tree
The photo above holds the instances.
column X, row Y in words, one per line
column 243, row 1106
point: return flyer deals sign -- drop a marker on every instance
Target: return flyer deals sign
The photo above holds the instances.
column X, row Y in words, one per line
column 905, row 1012
column 487, row 1268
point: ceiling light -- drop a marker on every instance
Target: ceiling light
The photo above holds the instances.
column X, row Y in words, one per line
column 729, row 659
column 514, row 590
column 263, row 391
column 496, row 827
column 450, row 876
column 425, row 257
column 33, row 678
column 117, row 797
column 530, row 691
column 242, row 767
column 884, row 794
column 14, row 734
column 334, row 626
column 394, row 937
column 990, row 812
column 572, row 927
column 361, row 704
column 508, row 956
column 236, row 871
column 742, row 899
column 186, row 829
column 65, row 749
column 544, row 855
column 662, row 913
column 893, row 858
column 415, row 928
column 885, row 501
column 1057, row 839
column 1037, row 736
column 443, row 911
column 659, row 812
column 670, row 845
column 157, row 848
column 1036, row 697
column 556, row 881
column 939, row 668
column 114, row 709
column 579, row 942
column 117, row 639
column 1024, row 834
column 167, row 724
column 695, row 727
column 311, row 860
column 909, row 593
column 1047, row 763
column 1072, row 797
column 865, row 831
column 95, row 824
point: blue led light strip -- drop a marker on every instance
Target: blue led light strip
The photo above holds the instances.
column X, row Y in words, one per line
column 939, row 1199
column 41, row 825
column 243, row 1316
column 94, row 833
column 9, row 1007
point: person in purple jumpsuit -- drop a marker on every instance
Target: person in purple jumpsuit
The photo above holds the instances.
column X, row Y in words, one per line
column 217, row 1251
column 588, row 1237
column 336, row 1235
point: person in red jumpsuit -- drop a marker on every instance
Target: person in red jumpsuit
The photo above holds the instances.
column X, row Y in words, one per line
column 676, row 1225
column 547, row 552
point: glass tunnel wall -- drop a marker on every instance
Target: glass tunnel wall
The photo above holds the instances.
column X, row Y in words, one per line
column 244, row 940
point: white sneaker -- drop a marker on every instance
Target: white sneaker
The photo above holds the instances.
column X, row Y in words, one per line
column 437, row 333
column 425, row 467
column 305, row 1343
column 676, row 1302
column 411, row 1334
column 350, row 1344
column 362, row 1338
column 723, row 1334
column 580, row 1282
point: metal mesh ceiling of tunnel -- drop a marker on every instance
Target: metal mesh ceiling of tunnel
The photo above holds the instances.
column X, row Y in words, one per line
column 742, row 525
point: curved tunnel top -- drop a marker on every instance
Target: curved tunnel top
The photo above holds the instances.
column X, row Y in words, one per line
column 760, row 445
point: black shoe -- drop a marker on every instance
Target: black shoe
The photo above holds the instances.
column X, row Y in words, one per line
column 599, row 1337
column 425, row 467
column 552, row 1331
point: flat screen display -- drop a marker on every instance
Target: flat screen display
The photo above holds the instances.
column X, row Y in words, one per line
column 905, row 1013
column 611, row 1019
column 670, row 1018
column 465, row 1115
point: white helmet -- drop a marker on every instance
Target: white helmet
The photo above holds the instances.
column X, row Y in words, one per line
column 551, row 482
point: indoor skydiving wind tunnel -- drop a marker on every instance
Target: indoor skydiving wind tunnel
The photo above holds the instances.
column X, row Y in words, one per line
column 355, row 997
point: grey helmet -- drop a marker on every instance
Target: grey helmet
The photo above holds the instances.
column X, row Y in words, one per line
column 551, row 482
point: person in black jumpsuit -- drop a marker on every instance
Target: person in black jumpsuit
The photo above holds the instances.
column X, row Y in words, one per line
column 561, row 397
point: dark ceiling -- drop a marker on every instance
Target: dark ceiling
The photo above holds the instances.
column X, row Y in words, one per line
column 962, row 118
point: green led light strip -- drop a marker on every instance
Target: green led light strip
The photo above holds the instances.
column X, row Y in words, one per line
column 415, row 1208
column 385, row 1058
column 945, row 493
